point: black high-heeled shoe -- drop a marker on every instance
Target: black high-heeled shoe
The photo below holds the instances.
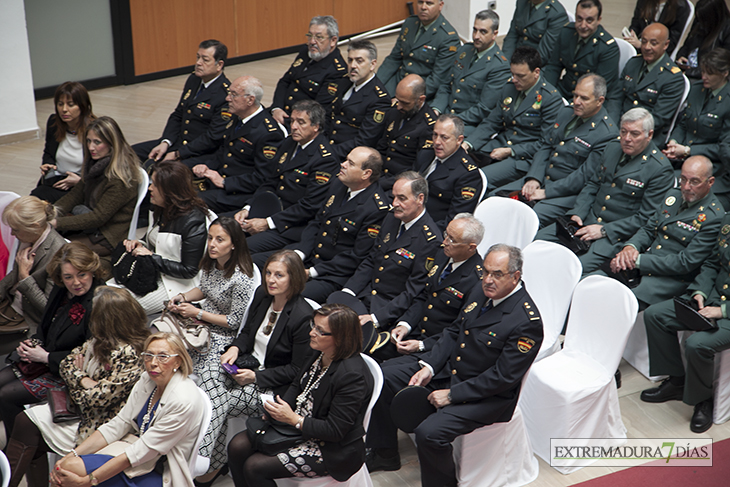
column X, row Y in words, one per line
column 223, row 471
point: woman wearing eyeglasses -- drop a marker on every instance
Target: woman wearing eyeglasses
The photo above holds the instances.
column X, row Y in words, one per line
column 326, row 402
column 276, row 335
column 159, row 423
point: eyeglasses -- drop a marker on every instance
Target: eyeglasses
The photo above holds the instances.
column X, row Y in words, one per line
column 496, row 275
column 270, row 325
column 235, row 95
column 450, row 240
column 692, row 182
column 318, row 331
column 161, row 358
column 317, row 37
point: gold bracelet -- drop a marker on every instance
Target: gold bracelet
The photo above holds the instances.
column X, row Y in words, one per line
column 183, row 296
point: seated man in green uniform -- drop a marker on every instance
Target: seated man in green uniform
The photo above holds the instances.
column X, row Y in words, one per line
column 574, row 148
column 535, row 23
column 582, row 47
column 479, row 71
column 526, row 111
column 692, row 384
column 651, row 81
column 625, row 191
column 670, row 248
column 426, row 46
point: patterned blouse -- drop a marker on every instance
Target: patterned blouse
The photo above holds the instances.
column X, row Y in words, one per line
column 115, row 381
column 228, row 297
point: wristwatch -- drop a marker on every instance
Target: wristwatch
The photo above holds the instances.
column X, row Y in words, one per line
column 603, row 232
column 94, row 481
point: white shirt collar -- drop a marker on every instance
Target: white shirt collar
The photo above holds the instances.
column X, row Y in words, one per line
column 211, row 81
column 496, row 302
column 245, row 120
column 412, row 222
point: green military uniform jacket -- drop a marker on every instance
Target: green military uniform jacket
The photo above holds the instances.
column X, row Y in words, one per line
column 705, row 127
column 472, row 90
column 713, row 282
column 623, row 198
column 674, row 243
column 566, row 163
column 538, row 28
column 600, row 56
column 429, row 57
column 659, row 92
column 523, row 128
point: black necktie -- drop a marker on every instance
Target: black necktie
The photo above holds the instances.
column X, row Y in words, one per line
column 486, row 308
column 400, row 231
column 446, row 272
column 200, row 90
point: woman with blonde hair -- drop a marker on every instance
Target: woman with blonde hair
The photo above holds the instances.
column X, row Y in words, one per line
column 24, row 291
column 99, row 376
column 165, row 410
column 63, row 154
column 98, row 210
column 64, row 326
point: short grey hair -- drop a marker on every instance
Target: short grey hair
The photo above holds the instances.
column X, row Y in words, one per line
column 458, row 123
column 419, row 185
column 364, row 45
column 473, row 228
column 253, row 86
column 489, row 15
column 515, row 256
column 599, row 84
column 639, row 115
column 329, row 22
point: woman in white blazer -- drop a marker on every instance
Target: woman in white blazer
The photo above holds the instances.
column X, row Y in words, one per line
column 165, row 410
column 176, row 236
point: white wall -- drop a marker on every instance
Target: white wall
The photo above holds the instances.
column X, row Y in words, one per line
column 461, row 14
column 16, row 82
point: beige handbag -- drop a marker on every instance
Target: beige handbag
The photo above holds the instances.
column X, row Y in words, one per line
column 118, row 447
column 194, row 334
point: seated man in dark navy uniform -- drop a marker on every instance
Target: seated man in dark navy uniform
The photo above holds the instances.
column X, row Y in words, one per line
column 196, row 126
column 246, row 159
column 300, row 183
column 474, row 371
column 408, row 129
column 457, row 268
column 358, row 113
column 316, row 74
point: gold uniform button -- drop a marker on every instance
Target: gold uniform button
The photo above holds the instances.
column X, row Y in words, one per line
column 636, row 102
column 185, row 132
column 316, row 256
column 666, row 237
column 380, row 268
column 723, row 298
column 188, row 111
column 458, row 358
column 187, row 121
column 599, row 219
column 561, row 143
column 385, row 256
column 658, row 247
column 603, row 208
column 462, row 345
column 225, row 166
column 327, row 222
column 466, row 332
column 373, row 292
column 425, row 318
column 281, row 188
column 608, row 197
column 282, row 177
column 453, row 372
column 430, row 306
column 319, row 246
column 324, row 234
column 423, row 330
column 435, row 294
column 664, row 228
column 377, row 281
column 613, row 185
column 724, row 286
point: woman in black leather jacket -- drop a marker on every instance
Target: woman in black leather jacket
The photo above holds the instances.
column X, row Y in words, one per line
column 177, row 234
column 710, row 29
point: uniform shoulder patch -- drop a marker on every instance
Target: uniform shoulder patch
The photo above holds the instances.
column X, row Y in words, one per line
column 380, row 91
column 525, row 344
column 225, row 115
column 479, row 270
column 373, row 231
column 675, row 70
column 378, row 116
column 610, row 41
column 322, row 177
column 429, row 264
column 531, row 311
column 324, row 150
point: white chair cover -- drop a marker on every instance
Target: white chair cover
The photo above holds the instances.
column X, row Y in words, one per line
column 199, row 464
column 625, row 52
column 550, row 272
column 572, row 393
column 687, row 25
column 361, row 478
column 637, row 349
column 498, row 454
column 256, row 284
column 4, row 469
column 506, row 221
column 11, row 243
column 680, row 107
column 141, row 193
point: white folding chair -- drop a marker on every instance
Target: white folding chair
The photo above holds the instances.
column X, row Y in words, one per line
column 141, row 193
column 256, row 284
column 506, row 221
column 11, row 243
column 625, row 52
column 361, row 478
column 571, row 16
column 680, row 108
column 198, row 464
column 484, row 185
column 550, row 272
column 687, row 25
column 572, row 393
column 4, row 469
column 497, row 454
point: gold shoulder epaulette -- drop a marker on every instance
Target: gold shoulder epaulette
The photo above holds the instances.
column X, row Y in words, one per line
column 381, row 92
column 324, row 151
column 382, row 205
column 429, row 234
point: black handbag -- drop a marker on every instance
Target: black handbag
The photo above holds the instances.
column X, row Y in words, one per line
column 137, row 273
column 565, row 229
column 247, row 361
column 271, row 437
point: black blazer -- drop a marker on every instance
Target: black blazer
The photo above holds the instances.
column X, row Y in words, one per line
column 340, row 403
column 51, row 147
column 288, row 347
column 61, row 335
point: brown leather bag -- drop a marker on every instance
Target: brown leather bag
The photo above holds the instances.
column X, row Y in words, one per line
column 10, row 320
